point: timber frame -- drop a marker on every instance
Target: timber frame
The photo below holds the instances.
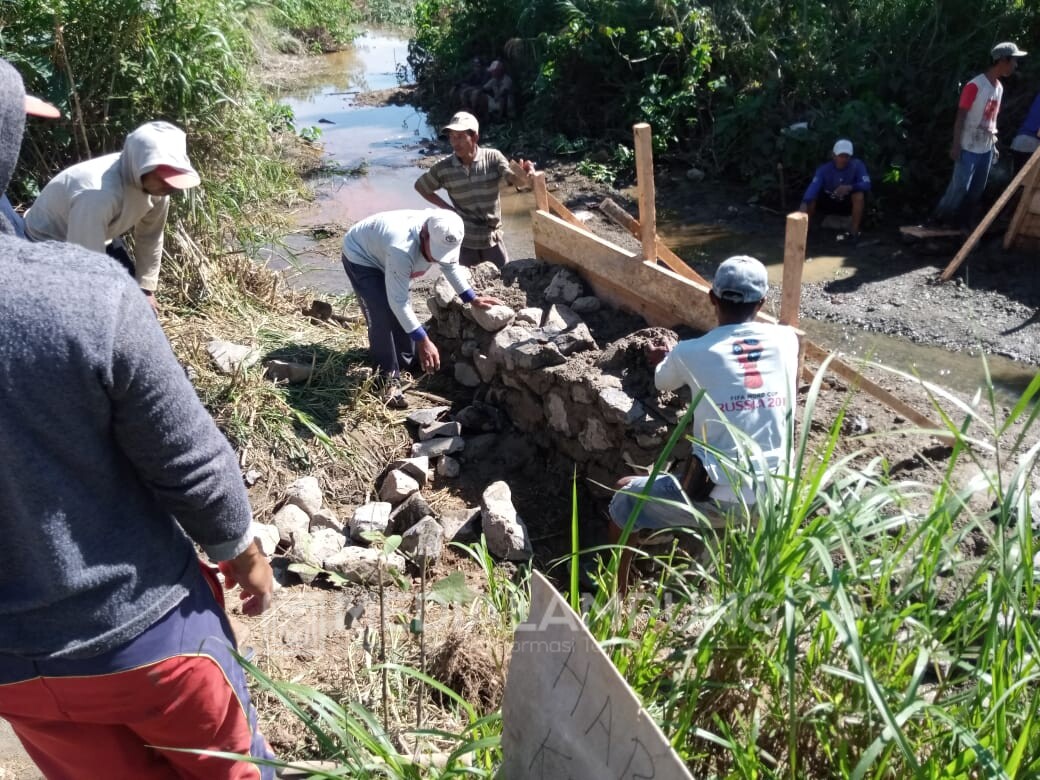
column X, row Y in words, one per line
column 671, row 293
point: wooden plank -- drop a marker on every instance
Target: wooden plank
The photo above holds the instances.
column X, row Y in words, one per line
column 664, row 298
column 647, row 194
column 922, row 232
column 1026, row 204
column 566, row 214
column 845, row 371
column 1027, row 170
column 622, row 218
column 794, row 262
column 541, row 194
column 674, row 299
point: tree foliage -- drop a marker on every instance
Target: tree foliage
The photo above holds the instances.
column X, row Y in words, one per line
column 727, row 84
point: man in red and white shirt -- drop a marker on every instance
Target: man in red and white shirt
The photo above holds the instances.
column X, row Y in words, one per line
column 975, row 136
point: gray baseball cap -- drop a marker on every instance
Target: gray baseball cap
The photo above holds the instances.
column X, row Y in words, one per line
column 1006, row 49
column 741, row 279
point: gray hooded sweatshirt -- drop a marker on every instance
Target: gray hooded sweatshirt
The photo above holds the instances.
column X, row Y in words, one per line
column 107, row 457
column 93, row 202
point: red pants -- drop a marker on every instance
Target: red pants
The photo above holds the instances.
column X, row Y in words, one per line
column 177, row 685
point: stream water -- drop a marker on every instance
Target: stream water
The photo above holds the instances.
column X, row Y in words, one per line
column 386, row 143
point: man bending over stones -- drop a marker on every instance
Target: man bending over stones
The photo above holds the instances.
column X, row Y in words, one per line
column 381, row 255
column 747, row 371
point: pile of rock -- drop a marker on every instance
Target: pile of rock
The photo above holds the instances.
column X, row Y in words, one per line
column 542, row 366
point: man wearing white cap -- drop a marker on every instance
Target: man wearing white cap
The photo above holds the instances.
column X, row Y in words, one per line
column 33, row 107
column 839, row 186
column 747, row 371
column 472, row 176
column 381, row 255
column 95, row 202
column 974, row 144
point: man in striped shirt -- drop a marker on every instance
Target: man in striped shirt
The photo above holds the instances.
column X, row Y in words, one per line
column 471, row 177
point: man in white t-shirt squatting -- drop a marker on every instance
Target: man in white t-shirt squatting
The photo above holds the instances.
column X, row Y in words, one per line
column 747, row 369
column 975, row 137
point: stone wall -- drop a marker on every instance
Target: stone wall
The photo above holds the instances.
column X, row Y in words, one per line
column 540, row 360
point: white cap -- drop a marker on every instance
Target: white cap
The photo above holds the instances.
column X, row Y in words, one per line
column 843, row 146
column 462, row 121
column 446, row 232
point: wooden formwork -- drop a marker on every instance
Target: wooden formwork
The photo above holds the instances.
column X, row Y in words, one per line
column 637, row 282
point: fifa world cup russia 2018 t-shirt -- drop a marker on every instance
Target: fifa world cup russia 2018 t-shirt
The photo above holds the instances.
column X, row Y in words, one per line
column 748, row 371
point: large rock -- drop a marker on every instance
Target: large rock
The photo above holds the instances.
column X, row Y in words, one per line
column 485, row 367
column 529, row 316
column 480, row 417
column 440, row 430
column 361, row 564
column 619, row 407
column 372, row 517
column 586, row 304
column 575, row 340
column 462, row 526
column 315, row 548
column 423, row 542
column 306, row 494
column 283, row 371
column 505, row 532
column 466, row 374
column 560, row 318
column 266, row 536
column 397, row 486
column 556, row 413
column 436, row 447
column 411, row 511
column 522, row 349
column 494, row 318
column 416, row 468
column 595, row 436
column 424, row 417
column 448, row 467
column 564, row 287
column 230, row 358
column 325, row 518
column 291, row 522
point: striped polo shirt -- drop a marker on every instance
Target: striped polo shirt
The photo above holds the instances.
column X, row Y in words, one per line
column 473, row 192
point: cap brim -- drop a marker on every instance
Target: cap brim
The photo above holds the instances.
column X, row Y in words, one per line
column 181, row 180
column 36, row 107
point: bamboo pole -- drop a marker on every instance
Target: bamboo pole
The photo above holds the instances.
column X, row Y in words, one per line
column 794, row 262
column 647, row 195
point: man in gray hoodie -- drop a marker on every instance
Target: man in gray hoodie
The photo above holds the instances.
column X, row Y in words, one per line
column 113, row 640
column 93, row 202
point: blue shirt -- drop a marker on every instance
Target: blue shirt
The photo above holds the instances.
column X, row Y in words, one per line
column 12, row 216
column 828, row 178
column 1032, row 121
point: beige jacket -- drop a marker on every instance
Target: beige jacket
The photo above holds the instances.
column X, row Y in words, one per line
column 95, row 201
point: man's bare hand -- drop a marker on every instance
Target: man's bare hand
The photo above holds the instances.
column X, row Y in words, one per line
column 253, row 574
column 151, row 301
column 656, row 351
column 429, row 356
column 955, row 152
column 486, row 301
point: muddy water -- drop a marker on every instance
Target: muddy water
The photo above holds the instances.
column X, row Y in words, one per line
column 386, row 143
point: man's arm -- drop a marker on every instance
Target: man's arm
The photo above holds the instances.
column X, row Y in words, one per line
column 812, row 192
column 148, row 245
column 177, row 450
column 427, row 186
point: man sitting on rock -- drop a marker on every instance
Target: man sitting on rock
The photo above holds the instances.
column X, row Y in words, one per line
column 840, row 187
column 747, row 371
column 381, row 255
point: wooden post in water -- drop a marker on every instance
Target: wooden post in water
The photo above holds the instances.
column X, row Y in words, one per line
column 794, row 261
column 647, row 194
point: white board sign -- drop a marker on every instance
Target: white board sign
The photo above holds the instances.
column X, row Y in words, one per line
column 567, row 713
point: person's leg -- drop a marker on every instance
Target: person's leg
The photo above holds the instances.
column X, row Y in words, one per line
column 469, row 257
column 177, row 685
column 949, row 208
column 858, row 205
column 370, row 286
column 494, row 254
column 977, row 184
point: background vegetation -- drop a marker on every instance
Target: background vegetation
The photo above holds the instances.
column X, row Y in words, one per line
column 724, row 81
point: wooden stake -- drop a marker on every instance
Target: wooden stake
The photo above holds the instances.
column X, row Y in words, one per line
column 541, row 194
column 647, row 195
column 1024, row 205
column 794, row 262
column 980, row 229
